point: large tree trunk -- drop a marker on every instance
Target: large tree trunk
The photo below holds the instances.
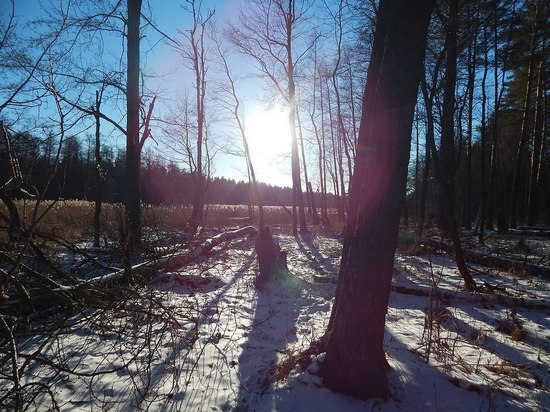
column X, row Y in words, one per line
column 355, row 362
column 133, row 158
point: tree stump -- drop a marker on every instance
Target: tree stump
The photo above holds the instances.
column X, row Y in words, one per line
column 271, row 259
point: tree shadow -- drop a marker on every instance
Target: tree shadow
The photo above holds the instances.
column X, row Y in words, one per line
column 416, row 385
column 454, row 332
column 466, row 330
column 325, row 270
column 476, row 391
column 491, row 344
column 181, row 355
column 272, row 332
column 427, row 386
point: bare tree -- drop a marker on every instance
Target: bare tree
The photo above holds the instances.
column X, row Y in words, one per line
column 231, row 100
column 523, row 141
column 17, row 60
column 480, row 225
column 269, row 32
column 312, row 210
column 536, row 151
column 343, row 133
column 336, row 170
column 98, row 169
column 194, row 52
column 133, row 157
column 21, row 66
column 315, row 101
column 472, row 69
column 446, row 167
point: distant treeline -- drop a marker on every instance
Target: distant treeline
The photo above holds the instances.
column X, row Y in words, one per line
column 71, row 174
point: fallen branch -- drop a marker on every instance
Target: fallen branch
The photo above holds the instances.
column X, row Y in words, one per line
column 69, row 295
column 174, row 260
column 499, row 262
column 507, row 301
column 203, row 249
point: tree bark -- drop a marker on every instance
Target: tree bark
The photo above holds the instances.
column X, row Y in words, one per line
column 518, row 174
column 355, row 362
column 343, row 135
column 199, row 67
column 320, row 137
column 536, row 153
column 295, row 160
column 472, row 56
column 98, row 171
column 445, row 164
column 271, row 259
column 480, row 225
column 312, row 212
column 133, row 158
column 6, row 190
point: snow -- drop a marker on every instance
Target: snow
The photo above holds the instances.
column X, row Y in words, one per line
column 217, row 342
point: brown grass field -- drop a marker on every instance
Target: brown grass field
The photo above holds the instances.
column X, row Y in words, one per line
column 72, row 219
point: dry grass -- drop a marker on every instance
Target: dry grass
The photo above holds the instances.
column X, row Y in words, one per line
column 512, row 326
column 519, row 374
column 72, row 219
column 66, row 219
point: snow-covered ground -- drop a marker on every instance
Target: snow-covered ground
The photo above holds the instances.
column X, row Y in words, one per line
column 216, row 341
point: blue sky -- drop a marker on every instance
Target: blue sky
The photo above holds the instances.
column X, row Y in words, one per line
column 170, row 80
column 271, row 156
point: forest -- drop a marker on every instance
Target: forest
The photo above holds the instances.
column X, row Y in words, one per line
column 162, row 182
column 151, row 258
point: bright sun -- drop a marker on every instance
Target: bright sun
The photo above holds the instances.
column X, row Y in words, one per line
column 268, row 134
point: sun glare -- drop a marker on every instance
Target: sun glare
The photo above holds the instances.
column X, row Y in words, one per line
column 268, row 133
